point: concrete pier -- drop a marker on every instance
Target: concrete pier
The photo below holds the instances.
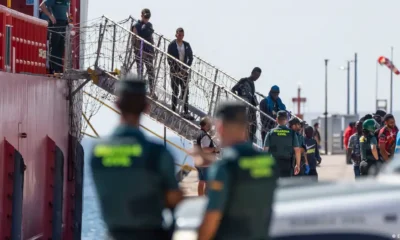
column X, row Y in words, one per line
column 333, row 167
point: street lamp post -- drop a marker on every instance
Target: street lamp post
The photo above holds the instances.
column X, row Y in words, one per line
column 326, row 107
column 355, row 83
column 348, row 84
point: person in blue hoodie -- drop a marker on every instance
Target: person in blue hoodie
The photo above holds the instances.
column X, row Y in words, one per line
column 270, row 106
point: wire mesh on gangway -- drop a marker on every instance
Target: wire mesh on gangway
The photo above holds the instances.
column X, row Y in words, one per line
column 200, row 65
column 111, row 46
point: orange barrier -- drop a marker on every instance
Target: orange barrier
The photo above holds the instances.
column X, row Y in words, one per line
column 23, row 41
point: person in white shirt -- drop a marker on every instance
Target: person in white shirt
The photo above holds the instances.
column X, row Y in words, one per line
column 205, row 152
column 182, row 53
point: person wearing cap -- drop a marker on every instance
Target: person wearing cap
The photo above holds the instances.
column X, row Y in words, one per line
column 134, row 177
column 296, row 125
column 183, row 55
column 246, row 90
column 241, row 185
column 368, row 147
column 378, row 116
column 57, row 13
column 144, row 52
column 282, row 143
column 270, row 106
column 387, row 137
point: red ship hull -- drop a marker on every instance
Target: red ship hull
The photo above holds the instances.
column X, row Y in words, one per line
column 34, row 118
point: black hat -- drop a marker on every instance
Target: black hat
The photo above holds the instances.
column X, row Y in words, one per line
column 232, row 112
column 146, row 13
column 131, row 85
column 294, row 120
column 380, row 113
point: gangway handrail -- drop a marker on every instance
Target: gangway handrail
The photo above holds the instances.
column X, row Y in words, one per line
column 213, row 66
column 189, row 67
column 145, row 128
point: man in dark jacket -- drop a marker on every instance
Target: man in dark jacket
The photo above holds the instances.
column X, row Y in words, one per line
column 245, row 89
column 144, row 52
column 57, row 13
column 182, row 52
column 270, row 106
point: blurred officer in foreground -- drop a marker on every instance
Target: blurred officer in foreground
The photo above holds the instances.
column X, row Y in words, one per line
column 282, row 143
column 241, row 185
column 368, row 147
column 134, row 178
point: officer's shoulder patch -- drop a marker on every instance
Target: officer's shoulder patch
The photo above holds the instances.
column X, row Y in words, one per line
column 216, row 185
column 362, row 139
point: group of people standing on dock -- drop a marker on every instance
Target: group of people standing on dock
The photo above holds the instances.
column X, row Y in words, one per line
column 373, row 142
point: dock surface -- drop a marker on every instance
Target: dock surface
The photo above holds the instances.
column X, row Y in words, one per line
column 333, row 167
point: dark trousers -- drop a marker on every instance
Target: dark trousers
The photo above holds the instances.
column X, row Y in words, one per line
column 140, row 234
column 313, row 175
column 357, row 171
column 56, row 33
column 179, row 84
column 146, row 59
column 285, row 166
column 285, row 172
column 252, row 115
column 368, row 167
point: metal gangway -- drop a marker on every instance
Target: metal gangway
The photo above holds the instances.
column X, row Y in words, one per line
column 109, row 53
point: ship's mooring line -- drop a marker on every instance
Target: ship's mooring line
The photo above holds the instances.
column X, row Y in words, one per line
column 184, row 167
column 89, row 135
column 90, row 125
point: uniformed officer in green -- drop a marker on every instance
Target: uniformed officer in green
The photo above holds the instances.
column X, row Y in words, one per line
column 282, row 143
column 368, row 147
column 297, row 126
column 57, row 11
column 134, row 178
column 241, row 185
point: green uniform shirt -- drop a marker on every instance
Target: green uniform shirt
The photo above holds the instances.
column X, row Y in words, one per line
column 132, row 176
column 300, row 138
column 365, row 147
column 59, row 8
column 281, row 141
column 241, row 185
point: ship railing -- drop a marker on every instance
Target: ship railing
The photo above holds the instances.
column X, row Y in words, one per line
column 109, row 46
column 183, row 166
column 23, row 41
column 200, row 65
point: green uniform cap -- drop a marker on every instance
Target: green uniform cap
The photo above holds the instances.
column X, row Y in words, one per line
column 132, row 85
column 232, row 112
column 370, row 125
column 281, row 114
